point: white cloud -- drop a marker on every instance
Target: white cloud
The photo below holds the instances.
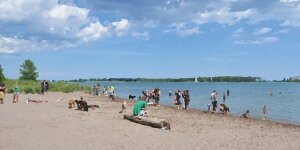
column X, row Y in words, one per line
column 64, row 12
column 187, row 31
column 11, row 45
column 262, row 31
column 264, row 40
column 20, row 10
column 183, row 30
column 239, row 30
column 283, row 31
column 224, row 15
column 34, row 25
column 92, row 32
column 141, row 35
column 289, row 1
column 121, row 27
column 64, row 20
column 287, row 12
column 151, row 23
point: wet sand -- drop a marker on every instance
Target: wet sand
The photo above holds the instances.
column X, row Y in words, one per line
column 53, row 126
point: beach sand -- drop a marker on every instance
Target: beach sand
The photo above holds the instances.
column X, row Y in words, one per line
column 53, row 126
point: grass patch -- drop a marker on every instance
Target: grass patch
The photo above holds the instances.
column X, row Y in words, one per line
column 33, row 87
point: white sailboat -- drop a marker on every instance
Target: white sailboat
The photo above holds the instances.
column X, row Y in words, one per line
column 196, row 79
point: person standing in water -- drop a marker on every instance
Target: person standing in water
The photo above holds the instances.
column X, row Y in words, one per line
column 186, row 99
column 227, row 92
column 224, row 97
column 170, row 93
column 214, row 100
column 264, row 110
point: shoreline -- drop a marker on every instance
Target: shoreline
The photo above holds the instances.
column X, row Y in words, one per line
column 196, row 110
column 52, row 125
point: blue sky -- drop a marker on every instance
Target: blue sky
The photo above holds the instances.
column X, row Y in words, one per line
column 68, row 39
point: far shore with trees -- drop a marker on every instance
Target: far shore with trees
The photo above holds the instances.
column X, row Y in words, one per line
column 28, row 82
column 199, row 79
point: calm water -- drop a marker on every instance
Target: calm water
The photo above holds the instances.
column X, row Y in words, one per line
column 283, row 105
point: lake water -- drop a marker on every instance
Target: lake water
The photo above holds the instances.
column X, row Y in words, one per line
column 283, row 104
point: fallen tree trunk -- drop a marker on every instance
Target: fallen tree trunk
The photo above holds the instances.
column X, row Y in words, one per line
column 153, row 122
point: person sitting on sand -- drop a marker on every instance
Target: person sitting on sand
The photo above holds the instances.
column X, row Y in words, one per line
column 246, row 114
column 139, row 108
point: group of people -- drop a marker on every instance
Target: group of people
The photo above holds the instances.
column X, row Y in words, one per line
column 106, row 90
column 150, row 95
column 181, row 103
column 224, row 108
column 16, row 90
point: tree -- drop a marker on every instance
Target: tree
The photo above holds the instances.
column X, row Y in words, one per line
column 2, row 77
column 28, row 70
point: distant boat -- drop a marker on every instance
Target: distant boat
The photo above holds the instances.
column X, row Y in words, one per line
column 211, row 79
column 196, row 79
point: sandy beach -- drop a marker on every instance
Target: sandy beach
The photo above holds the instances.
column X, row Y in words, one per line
column 53, row 126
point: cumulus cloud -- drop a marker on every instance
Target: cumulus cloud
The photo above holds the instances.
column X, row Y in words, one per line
column 64, row 12
column 20, row 10
column 264, row 40
column 92, row 32
column 11, row 45
column 34, row 25
column 121, row 27
column 262, row 31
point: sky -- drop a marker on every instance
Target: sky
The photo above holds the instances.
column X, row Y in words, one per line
column 71, row 39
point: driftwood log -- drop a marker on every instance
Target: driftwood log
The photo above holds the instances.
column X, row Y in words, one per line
column 153, row 122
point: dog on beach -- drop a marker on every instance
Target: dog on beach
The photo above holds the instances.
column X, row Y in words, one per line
column 208, row 107
column 71, row 103
column 123, row 108
column 82, row 105
column 131, row 97
column 224, row 109
column 246, row 114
